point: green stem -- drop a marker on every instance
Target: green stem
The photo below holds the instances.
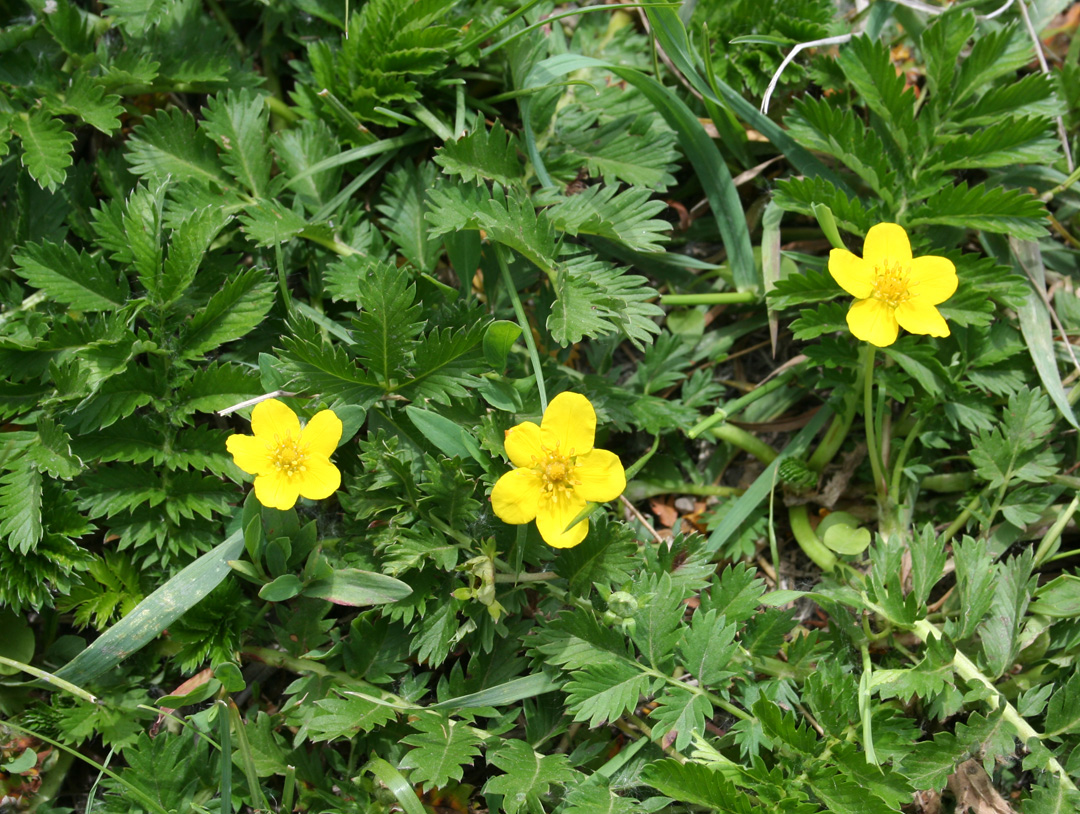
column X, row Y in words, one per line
column 806, row 537
column 738, row 405
column 534, row 576
column 526, row 327
column 748, row 442
column 968, row 671
column 901, row 459
column 873, row 448
column 433, row 122
column 49, row 678
column 1051, row 541
column 718, row 298
column 962, row 518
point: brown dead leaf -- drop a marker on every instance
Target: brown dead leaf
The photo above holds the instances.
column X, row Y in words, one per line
column 667, row 514
column 975, row 792
column 927, row 802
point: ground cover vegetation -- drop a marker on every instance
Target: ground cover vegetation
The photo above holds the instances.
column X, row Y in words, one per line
column 482, row 405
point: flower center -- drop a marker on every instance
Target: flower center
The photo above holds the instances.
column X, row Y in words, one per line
column 288, row 456
column 556, row 470
column 891, row 283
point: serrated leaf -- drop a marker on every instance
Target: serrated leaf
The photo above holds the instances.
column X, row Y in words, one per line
column 992, row 209
column 20, row 506
column 708, row 647
column 326, row 368
column 345, row 717
column 695, row 784
column 606, row 557
column 269, row 223
column 868, row 66
column 82, row 281
column 595, row 298
column 682, row 712
column 237, row 122
column 46, row 147
column 528, row 776
column 188, row 245
column 448, row 362
column 52, row 455
column 443, row 747
column 240, row 305
column 168, row 146
column 387, row 326
column 87, row 99
column 406, row 201
column 626, row 217
column 482, row 154
column 1017, row 449
column 735, row 595
column 604, row 692
column 507, row 217
column 216, row 386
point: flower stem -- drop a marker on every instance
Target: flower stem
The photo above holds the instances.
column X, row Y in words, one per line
column 523, row 321
column 967, row 670
column 873, row 448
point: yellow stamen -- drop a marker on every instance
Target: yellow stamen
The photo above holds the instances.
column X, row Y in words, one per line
column 891, row 283
column 555, row 469
column 288, row 456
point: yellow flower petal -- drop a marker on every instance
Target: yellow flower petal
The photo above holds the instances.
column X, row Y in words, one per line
column 554, row 513
column 886, row 241
column 276, row 491
column 322, row 434
column 272, row 417
column 249, row 453
column 516, row 496
column 852, row 273
column 319, row 480
column 932, row 280
column 872, row 321
column 601, row 475
column 522, row 444
column 569, row 424
column 919, row 317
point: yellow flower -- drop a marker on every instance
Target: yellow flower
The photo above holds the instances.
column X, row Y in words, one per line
column 558, row 472
column 288, row 462
column 892, row 288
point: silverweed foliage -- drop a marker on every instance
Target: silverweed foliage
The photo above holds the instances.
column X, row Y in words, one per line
column 841, row 578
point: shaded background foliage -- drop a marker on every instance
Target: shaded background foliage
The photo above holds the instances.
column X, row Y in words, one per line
column 203, row 204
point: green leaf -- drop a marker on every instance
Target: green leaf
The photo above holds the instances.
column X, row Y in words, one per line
column 992, row 209
column 237, row 123
column 216, row 386
column 448, row 362
column 605, row 557
column 269, row 223
column 87, row 99
column 528, row 777
column 51, row 455
column 1017, row 449
column 698, row 785
column 1000, row 632
column 46, row 147
column 499, row 338
column 708, row 648
column 407, row 198
column 626, row 217
column 325, row 368
column 167, row 146
column 188, row 246
column 443, row 747
column 20, row 506
column 346, row 717
column 448, row 436
column 1004, row 143
column 82, row 281
column 482, row 154
column 975, row 576
column 735, row 595
column 236, row 309
column 356, row 588
column 508, row 217
column 1035, row 325
column 595, row 298
column 702, row 152
column 683, row 713
column 155, row 613
column 1063, row 711
column 604, row 692
column 386, row 330
column 624, row 149
column 281, row 588
column 868, row 66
